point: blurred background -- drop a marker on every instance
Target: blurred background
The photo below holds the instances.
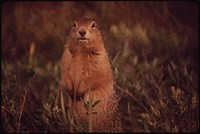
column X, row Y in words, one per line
column 153, row 49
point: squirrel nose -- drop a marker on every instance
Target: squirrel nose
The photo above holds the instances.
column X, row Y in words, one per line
column 82, row 32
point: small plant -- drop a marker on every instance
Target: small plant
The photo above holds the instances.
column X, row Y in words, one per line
column 89, row 106
column 170, row 115
column 52, row 119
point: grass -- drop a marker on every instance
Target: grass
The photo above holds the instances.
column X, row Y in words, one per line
column 155, row 69
column 158, row 98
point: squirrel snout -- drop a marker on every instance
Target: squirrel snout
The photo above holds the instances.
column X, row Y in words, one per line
column 82, row 32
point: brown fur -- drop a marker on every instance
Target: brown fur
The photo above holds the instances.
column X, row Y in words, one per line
column 85, row 65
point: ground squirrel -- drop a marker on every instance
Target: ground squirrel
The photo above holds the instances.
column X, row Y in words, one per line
column 85, row 64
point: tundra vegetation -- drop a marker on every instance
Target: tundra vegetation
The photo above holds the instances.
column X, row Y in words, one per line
column 153, row 50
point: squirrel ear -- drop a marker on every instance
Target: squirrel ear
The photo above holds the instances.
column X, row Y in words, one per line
column 74, row 24
column 94, row 25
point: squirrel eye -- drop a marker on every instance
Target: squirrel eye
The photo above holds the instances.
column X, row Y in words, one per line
column 94, row 25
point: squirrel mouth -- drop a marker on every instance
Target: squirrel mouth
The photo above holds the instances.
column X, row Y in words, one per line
column 83, row 40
